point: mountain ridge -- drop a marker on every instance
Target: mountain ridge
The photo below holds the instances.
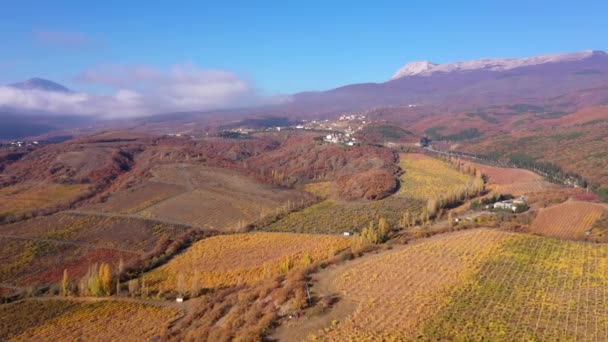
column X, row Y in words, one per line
column 427, row 68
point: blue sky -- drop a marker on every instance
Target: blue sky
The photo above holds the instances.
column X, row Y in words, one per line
column 284, row 46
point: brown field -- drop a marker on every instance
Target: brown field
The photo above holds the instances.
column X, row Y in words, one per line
column 137, row 198
column 27, row 197
column 65, row 320
column 243, row 258
column 512, row 181
column 476, row 285
column 40, row 262
column 569, row 220
column 37, row 251
column 218, row 198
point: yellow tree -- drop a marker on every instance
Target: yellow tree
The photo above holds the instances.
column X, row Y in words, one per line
column 65, row 283
column 383, row 229
column 105, row 279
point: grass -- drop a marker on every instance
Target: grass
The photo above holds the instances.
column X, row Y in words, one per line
column 229, row 260
column 54, row 320
column 425, row 177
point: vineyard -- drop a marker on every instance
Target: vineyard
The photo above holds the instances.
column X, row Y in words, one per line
column 64, row 320
column 535, row 289
column 242, row 259
column 425, row 177
column 336, row 217
column 25, row 198
column 512, row 181
column 569, row 220
column 477, row 285
column 396, row 292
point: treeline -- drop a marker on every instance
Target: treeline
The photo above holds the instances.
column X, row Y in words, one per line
column 465, row 134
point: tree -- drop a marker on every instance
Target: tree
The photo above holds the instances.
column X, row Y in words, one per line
column 383, row 229
column 105, row 279
column 65, row 284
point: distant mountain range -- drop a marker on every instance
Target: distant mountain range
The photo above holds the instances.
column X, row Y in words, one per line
column 40, row 84
column 426, row 68
column 567, row 82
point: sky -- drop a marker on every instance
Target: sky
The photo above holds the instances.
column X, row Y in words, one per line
column 251, row 52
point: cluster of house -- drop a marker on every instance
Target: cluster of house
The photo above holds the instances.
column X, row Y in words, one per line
column 20, row 143
column 341, row 138
column 511, row 204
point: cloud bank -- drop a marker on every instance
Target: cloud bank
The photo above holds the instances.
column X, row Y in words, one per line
column 142, row 91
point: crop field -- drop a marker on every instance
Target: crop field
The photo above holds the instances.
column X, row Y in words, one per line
column 398, row 291
column 512, row 181
column 32, row 262
column 569, row 220
column 478, row 285
column 64, row 320
column 243, row 258
column 37, row 251
column 321, row 189
column 137, row 198
column 336, row 217
column 133, row 234
column 24, row 198
column 218, row 198
column 425, row 177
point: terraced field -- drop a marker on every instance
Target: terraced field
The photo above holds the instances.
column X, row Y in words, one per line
column 425, row 177
column 569, row 220
column 64, row 320
column 477, row 285
column 242, row 258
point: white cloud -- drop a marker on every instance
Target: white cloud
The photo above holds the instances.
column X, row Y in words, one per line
column 142, row 90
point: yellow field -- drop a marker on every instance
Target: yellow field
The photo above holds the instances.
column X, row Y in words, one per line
column 477, row 285
column 24, row 198
column 398, row 291
column 242, row 258
column 321, row 189
column 425, row 177
column 568, row 220
column 64, row 320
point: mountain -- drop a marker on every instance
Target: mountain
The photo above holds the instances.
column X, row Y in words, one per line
column 40, row 84
column 466, row 85
column 426, row 68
